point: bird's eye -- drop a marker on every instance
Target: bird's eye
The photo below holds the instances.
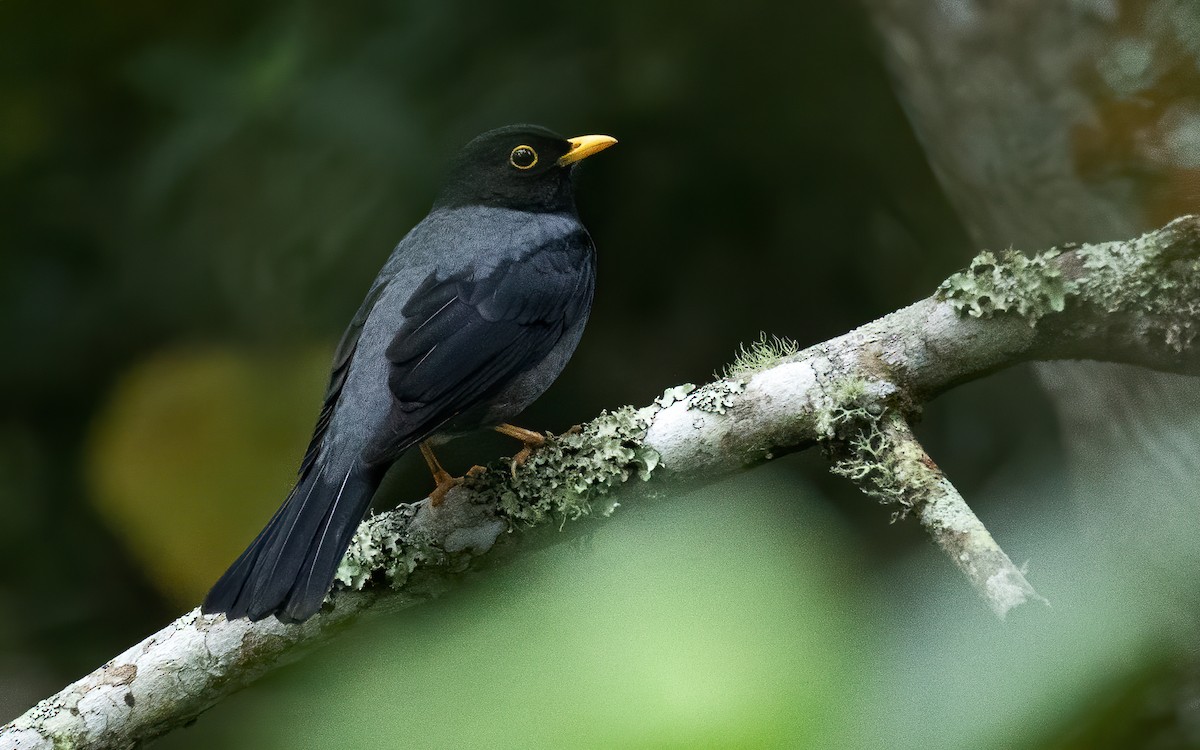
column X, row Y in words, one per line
column 523, row 157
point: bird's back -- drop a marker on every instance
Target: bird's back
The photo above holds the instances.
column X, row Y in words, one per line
column 474, row 245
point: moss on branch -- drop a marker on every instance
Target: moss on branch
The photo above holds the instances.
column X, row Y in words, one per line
column 766, row 351
column 385, row 545
column 568, row 477
column 1011, row 283
column 1157, row 274
column 1147, row 275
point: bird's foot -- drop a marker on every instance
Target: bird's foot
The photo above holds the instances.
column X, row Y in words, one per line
column 520, row 459
column 445, row 483
column 531, row 439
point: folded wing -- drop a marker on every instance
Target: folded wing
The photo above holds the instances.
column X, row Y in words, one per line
column 466, row 336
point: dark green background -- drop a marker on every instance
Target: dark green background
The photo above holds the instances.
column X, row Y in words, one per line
column 194, row 199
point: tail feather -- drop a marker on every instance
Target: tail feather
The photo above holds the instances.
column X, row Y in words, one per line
column 287, row 547
column 337, row 529
column 287, row 570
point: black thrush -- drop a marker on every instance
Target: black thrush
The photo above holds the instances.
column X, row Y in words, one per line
column 473, row 316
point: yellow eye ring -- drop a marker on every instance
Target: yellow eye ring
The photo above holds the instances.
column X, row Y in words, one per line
column 523, row 157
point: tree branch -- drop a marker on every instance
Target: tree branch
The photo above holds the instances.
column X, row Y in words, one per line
column 887, row 461
column 1135, row 302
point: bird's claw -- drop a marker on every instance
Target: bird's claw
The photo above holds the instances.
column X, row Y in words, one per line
column 445, row 483
column 529, row 438
column 520, row 459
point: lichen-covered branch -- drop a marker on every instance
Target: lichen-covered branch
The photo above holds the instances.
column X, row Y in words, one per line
column 1132, row 301
column 887, row 461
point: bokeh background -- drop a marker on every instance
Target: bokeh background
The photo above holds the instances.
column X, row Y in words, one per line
column 193, row 199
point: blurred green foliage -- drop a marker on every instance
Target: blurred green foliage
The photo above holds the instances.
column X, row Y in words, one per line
column 699, row 624
column 195, row 198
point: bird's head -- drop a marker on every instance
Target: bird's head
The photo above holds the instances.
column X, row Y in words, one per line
column 522, row 167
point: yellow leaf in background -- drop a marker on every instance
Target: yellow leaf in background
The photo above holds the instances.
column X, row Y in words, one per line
column 193, row 451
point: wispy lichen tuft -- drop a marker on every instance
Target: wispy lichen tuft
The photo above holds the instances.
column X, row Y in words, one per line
column 568, row 476
column 858, row 434
column 848, row 401
column 1013, row 283
column 758, row 355
column 883, row 467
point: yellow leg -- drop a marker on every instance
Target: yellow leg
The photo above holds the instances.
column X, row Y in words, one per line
column 444, row 481
column 530, row 439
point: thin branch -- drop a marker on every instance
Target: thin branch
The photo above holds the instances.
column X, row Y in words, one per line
column 1135, row 301
column 948, row 519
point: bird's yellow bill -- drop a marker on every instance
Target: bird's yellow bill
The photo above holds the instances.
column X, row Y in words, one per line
column 584, row 146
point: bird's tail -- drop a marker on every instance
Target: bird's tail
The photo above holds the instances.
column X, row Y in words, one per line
column 289, row 568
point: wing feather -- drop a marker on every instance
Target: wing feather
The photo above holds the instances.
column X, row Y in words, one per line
column 337, row 376
column 467, row 335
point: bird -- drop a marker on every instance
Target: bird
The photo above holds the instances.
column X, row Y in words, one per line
column 472, row 317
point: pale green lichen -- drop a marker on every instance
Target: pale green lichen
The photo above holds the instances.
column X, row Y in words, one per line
column 717, row 397
column 566, row 478
column 1145, row 275
column 569, row 476
column 1013, row 283
column 888, row 469
column 673, row 394
column 856, row 425
column 1157, row 274
column 384, row 545
column 758, row 355
column 847, row 401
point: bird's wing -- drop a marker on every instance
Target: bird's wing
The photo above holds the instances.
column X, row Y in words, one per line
column 337, row 376
column 467, row 335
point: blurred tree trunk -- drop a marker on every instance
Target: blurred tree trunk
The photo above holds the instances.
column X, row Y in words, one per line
column 1072, row 121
